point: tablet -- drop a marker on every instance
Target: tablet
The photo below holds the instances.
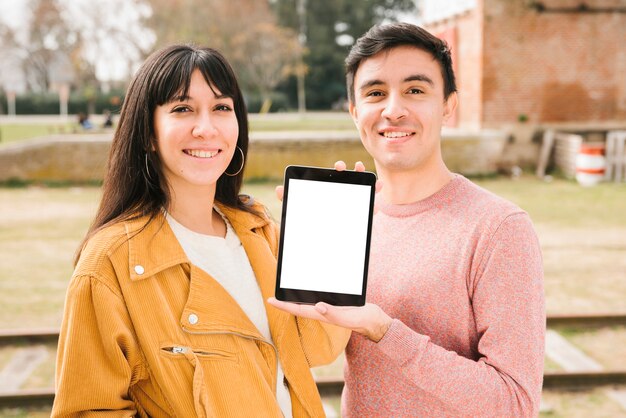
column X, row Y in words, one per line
column 325, row 236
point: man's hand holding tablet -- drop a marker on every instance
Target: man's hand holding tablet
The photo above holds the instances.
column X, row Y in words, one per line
column 324, row 250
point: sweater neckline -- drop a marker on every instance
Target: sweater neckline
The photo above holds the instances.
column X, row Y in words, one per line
column 440, row 197
column 204, row 240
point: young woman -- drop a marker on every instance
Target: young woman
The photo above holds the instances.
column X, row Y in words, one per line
column 165, row 312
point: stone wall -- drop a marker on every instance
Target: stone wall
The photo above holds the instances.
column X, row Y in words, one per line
column 72, row 158
column 83, row 158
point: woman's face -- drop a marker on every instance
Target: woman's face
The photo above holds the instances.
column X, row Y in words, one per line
column 196, row 137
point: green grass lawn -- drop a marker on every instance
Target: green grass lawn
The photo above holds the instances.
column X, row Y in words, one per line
column 11, row 132
column 563, row 203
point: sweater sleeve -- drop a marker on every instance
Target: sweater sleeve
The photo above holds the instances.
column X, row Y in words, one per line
column 98, row 358
column 509, row 312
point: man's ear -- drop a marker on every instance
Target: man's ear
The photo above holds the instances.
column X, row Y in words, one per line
column 352, row 110
column 449, row 106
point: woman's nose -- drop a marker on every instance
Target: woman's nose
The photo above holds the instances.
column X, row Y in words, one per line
column 203, row 127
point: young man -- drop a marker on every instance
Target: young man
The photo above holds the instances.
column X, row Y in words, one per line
column 455, row 322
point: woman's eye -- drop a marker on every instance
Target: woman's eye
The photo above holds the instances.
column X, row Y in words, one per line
column 223, row 108
column 180, row 109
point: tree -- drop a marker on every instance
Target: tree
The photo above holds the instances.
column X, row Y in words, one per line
column 108, row 31
column 245, row 31
column 48, row 37
column 12, row 56
column 265, row 55
column 331, row 28
column 64, row 41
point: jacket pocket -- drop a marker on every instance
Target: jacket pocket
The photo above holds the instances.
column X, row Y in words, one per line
column 215, row 373
column 177, row 351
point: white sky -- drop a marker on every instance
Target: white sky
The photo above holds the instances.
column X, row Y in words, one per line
column 111, row 56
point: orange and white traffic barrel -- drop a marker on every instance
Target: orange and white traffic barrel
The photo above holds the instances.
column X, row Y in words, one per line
column 590, row 164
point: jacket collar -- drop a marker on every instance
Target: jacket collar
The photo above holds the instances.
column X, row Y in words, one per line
column 153, row 247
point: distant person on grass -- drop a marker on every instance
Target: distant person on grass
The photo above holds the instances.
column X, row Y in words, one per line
column 165, row 312
column 455, row 322
column 83, row 121
column 108, row 119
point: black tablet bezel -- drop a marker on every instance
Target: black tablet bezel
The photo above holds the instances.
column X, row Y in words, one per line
column 332, row 176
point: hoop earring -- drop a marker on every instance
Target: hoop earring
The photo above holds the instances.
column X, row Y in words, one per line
column 240, row 168
column 147, row 168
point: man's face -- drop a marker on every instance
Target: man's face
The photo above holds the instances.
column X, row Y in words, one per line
column 399, row 109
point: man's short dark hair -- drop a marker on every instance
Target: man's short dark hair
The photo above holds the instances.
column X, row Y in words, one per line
column 383, row 37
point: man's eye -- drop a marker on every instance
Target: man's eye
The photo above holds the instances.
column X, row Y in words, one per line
column 416, row 91
column 374, row 93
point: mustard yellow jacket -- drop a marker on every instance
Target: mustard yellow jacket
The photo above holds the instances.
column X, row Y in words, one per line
column 147, row 333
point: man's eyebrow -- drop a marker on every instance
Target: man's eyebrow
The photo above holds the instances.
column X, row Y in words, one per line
column 414, row 77
column 420, row 77
column 370, row 83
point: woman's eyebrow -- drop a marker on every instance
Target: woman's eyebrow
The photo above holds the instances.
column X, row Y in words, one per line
column 180, row 98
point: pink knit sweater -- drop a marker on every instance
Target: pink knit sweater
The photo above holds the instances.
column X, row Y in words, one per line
column 461, row 274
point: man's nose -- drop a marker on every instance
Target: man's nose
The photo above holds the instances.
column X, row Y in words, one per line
column 395, row 108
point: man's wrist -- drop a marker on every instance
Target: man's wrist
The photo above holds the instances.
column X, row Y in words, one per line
column 380, row 330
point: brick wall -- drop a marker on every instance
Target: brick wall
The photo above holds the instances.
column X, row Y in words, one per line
column 553, row 66
column 549, row 66
column 464, row 34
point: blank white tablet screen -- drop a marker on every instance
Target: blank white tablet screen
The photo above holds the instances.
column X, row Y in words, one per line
column 325, row 236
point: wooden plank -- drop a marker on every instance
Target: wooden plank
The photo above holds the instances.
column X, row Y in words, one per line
column 21, row 366
column 568, row 380
column 570, row 358
column 22, row 398
column 547, row 143
column 586, row 321
column 31, row 335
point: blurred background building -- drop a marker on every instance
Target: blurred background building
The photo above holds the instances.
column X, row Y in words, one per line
column 534, row 61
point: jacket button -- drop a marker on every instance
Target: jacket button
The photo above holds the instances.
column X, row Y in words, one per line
column 193, row 319
column 139, row 269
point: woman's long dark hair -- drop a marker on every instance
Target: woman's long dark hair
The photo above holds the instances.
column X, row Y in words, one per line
column 134, row 183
